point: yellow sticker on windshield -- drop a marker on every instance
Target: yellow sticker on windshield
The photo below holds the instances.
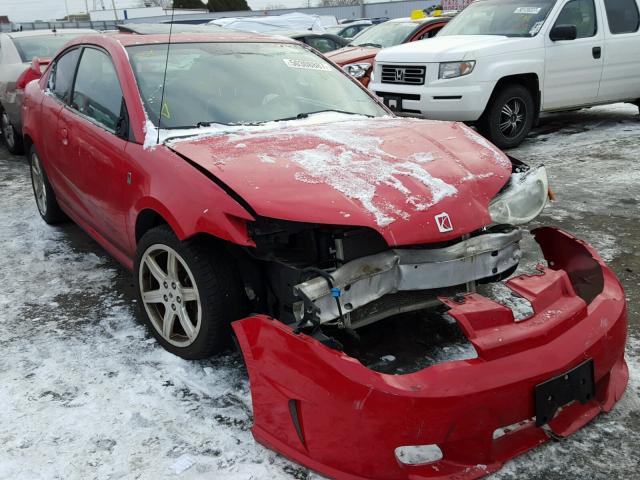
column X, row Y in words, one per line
column 165, row 111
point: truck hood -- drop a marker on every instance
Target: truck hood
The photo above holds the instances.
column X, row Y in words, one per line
column 453, row 48
column 414, row 181
column 347, row 55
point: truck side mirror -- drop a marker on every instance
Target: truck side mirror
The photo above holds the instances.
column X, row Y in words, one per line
column 563, row 32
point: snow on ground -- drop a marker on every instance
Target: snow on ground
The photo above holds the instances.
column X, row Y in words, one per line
column 87, row 394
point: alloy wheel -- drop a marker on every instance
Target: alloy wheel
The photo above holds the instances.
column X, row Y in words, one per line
column 8, row 131
column 170, row 295
column 513, row 117
column 39, row 188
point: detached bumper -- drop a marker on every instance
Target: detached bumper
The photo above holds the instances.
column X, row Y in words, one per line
column 327, row 411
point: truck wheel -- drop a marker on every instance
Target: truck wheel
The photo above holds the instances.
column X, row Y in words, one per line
column 188, row 292
column 12, row 139
column 509, row 117
column 45, row 197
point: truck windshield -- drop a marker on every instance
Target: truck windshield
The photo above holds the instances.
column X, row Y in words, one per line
column 241, row 83
column 510, row 18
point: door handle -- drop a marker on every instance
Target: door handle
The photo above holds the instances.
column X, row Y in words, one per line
column 64, row 133
column 597, row 52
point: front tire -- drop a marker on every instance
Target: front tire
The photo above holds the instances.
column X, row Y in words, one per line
column 509, row 116
column 43, row 192
column 189, row 293
column 12, row 139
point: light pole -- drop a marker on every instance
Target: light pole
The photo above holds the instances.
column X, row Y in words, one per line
column 66, row 7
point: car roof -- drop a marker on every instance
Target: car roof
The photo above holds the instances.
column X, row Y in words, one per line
column 157, row 28
column 218, row 36
column 419, row 20
column 41, row 33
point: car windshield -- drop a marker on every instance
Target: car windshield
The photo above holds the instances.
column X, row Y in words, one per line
column 43, row 46
column 241, row 83
column 385, row 35
column 509, row 18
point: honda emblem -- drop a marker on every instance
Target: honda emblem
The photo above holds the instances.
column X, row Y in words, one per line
column 399, row 74
column 444, row 223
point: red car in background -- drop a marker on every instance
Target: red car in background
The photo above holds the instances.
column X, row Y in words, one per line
column 357, row 57
column 294, row 194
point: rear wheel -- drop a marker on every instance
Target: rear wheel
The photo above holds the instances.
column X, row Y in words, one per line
column 45, row 197
column 509, row 116
column 189, row 293
column 12, row 139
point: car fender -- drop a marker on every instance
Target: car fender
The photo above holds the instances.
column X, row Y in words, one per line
column 190, row 201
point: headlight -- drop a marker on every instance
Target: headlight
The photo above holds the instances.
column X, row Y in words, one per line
column 456, row 69
column 357, row 70
column 523, row 199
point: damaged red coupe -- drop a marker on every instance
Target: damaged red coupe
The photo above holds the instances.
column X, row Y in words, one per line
column 249, row 182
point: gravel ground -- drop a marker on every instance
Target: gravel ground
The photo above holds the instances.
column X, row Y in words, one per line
column 87, row 394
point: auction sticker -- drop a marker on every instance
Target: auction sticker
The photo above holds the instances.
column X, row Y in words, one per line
column 306, row 64
column 528, row 10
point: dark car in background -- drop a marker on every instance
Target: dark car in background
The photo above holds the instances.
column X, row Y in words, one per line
column 323, row 42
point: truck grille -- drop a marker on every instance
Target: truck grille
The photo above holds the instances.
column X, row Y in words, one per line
column 403, row 74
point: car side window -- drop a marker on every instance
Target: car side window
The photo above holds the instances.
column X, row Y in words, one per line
column 582, row 14
column 350, row 32
column 323, row 45
column 430, row 33
column 97, row 92
column 62, row 73
column 622, row 15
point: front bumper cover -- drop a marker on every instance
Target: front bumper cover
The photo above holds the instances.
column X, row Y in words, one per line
column 327, row 411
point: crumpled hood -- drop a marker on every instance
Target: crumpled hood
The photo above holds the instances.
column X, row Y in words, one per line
column 453, row 48
column 348, row 55
column 390, row 174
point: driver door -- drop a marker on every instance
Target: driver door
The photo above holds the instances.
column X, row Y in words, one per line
column 573, row 68
column 93, row 120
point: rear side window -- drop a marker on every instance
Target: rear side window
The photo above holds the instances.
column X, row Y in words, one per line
column 622, row 15
column 62, row 74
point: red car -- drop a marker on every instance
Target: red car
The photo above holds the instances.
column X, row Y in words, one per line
column 237, row 173
column 357, row 57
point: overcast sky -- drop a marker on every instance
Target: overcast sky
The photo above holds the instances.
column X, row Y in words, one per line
column 29, row 10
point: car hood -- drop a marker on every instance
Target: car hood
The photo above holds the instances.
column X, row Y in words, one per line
column 348, row 55
column 453, row 48
column 401, row 177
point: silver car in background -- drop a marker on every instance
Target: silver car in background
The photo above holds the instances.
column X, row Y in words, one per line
column 17, row 68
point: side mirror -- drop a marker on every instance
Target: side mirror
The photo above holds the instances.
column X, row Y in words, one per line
column 563, row 32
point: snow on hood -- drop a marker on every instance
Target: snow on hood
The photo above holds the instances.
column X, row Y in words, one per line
column 453, row 48
column 390, row 174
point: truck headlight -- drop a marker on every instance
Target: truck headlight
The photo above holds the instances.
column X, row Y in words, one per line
column 456, row 69
column 523, row 199
column 357, row 70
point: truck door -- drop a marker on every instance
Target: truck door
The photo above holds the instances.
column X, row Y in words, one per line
column 622, row 52
column 573, row 68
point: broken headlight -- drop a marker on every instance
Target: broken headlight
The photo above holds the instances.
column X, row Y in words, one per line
column 523, row 198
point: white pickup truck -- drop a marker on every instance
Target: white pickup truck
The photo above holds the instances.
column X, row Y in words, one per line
column 502, row 62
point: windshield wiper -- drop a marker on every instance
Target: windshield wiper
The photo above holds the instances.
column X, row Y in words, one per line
column 374, row 45
column 307, row 114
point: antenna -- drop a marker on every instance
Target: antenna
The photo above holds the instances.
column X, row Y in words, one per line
column 166, row 65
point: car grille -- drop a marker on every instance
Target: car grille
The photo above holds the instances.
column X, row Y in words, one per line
column 403, row 74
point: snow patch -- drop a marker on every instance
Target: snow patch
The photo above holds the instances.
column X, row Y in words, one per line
column 359, row 180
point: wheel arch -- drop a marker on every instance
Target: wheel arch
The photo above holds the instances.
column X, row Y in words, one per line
column 531, row 81
column 151, row 213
